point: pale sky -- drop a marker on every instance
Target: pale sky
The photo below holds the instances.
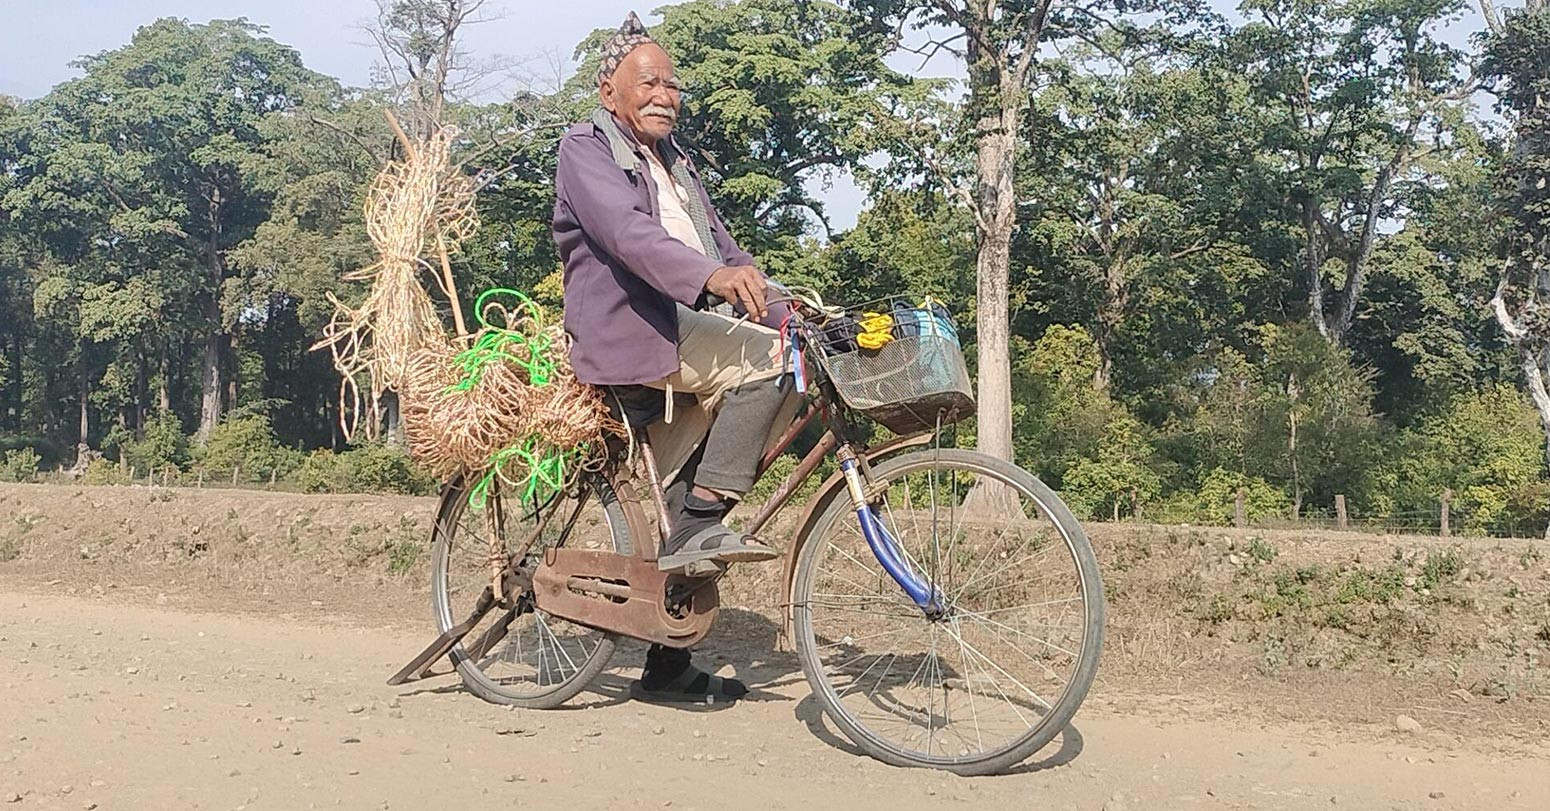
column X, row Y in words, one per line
column 39, row 38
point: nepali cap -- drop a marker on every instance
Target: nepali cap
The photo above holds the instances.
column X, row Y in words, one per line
column 631, row 35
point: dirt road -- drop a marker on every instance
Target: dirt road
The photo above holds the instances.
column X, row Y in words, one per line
column 108, row 705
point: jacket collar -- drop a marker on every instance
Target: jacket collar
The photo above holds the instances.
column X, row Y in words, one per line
column 626, row 147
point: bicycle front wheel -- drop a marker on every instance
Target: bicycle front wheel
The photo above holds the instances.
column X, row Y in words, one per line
column 997, row 671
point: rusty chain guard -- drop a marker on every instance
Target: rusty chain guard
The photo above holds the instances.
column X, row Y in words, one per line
column 625, row 595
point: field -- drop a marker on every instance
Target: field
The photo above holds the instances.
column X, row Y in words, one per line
column 221, row 649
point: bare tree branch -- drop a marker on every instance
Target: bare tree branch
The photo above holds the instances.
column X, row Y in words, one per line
column 323, row 122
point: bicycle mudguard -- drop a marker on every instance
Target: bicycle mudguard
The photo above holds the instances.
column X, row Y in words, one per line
column 832, row 488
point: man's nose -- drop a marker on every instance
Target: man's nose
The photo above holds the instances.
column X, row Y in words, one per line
column 663, row 97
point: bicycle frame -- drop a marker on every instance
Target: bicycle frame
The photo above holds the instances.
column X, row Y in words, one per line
column 853, row 469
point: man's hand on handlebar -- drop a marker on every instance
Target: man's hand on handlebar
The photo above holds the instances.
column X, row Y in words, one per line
column 743, row 285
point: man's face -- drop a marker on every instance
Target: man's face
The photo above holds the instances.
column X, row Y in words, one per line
column 643, row 93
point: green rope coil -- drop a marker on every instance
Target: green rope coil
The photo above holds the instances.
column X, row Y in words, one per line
column 546, row 471
column 502, row 344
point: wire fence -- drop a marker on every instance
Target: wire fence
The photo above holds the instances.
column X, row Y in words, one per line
column 1442, row 520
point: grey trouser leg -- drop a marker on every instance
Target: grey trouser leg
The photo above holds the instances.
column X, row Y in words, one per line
column 738, row 436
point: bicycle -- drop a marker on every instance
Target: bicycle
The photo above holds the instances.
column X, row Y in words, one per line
column 946, row 607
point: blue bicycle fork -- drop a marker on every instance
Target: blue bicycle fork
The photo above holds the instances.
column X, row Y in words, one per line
column 885, row 548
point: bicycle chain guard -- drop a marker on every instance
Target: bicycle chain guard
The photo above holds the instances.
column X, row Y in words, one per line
column 625, row 595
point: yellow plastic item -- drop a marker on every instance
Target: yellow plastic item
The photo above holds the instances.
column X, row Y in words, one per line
column 876, row 331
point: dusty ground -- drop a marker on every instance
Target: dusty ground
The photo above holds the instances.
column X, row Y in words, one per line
column 183, row 649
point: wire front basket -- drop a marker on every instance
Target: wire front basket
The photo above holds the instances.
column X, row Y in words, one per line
column 902, row 366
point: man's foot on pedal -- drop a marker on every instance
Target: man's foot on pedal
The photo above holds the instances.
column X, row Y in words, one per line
column 699, row 537
column 715, row 544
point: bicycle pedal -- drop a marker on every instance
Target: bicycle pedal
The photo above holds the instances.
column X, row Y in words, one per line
column 704, row 568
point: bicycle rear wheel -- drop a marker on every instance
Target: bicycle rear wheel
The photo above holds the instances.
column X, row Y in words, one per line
column 529, row 658
column 997, row 673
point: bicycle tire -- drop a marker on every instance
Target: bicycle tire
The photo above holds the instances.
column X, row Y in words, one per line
column 1059, row 715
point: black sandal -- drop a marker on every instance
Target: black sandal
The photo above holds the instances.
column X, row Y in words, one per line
column 692, row 687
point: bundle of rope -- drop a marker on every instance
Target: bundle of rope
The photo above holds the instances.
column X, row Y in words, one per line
column 502, row 404
column 411, row 204
column 508, row 407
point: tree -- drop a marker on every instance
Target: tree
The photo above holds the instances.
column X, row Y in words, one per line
column 1426, row 329
column 1352, row 93
column 147, row 160
column 1518, row 63
column 15, row 286
column 1135, row 171
column 316, row 176
column 999, row 44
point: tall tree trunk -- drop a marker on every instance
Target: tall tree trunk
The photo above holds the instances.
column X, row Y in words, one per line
column 1111, row 313
column 1313, row 252
column 996, row 151
column 15, row 387
column 217, row 341
column 995, row 200
column 392, row 416
column 142, row 392
column 164, row 383
column 84, row 434
column 210, row 385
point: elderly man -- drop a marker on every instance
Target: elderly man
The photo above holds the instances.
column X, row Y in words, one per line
column 644, row 253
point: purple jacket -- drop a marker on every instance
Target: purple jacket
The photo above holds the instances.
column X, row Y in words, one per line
column 624, row 274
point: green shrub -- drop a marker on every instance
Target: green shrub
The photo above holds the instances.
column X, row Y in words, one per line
column 246, row 444
column 50, row 454
column 371, row 468
column 103, row 471
column 1213, row 501
column 19, row 465
column 161, row 444
column 1487, row 446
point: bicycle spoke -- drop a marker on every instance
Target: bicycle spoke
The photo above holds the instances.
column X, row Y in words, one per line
column 987, row 660
column 1008, row 567
column 968, row 683
column 983, row 620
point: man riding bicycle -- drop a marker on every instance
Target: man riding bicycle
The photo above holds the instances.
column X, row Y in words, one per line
column 644, row 254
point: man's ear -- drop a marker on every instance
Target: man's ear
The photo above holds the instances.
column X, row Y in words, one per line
column 605, row 92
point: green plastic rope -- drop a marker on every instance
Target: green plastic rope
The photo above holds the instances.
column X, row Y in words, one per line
column 501, row 344
column 546, row 471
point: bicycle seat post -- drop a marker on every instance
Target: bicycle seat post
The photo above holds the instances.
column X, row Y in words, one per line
column 664, row 524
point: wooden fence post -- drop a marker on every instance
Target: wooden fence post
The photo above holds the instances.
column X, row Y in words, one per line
column 234, row 471
column 1341, row 520
column 1240, row 516
column 1447, row 499
column 273, row 473
column 1135, row 505
column 201, row 478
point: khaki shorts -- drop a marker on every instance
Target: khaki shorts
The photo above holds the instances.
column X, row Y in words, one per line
column 716, row 353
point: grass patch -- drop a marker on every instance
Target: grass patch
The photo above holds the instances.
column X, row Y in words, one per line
column 1261, row 551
